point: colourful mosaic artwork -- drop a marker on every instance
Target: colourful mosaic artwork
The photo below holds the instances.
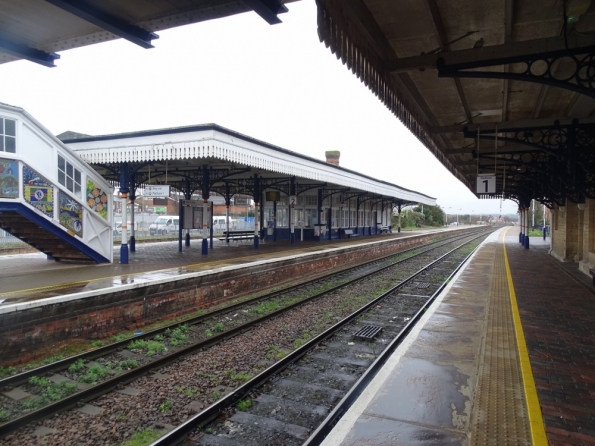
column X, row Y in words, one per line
column 96, row 199
column 9, row 178
column 71, row 214
column 38, row 192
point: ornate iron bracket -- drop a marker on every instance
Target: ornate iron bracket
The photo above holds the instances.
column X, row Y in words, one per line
column 538, row 69
column 330, row 192
column 348, row 196
column 303, row 187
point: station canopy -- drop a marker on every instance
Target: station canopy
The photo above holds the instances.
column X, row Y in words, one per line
column 178, row 157
column 501, row 88
column 490, row 88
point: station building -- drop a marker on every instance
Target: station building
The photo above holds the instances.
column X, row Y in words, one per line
column 61, row 202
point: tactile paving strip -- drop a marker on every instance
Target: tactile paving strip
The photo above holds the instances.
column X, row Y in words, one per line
column 500, row 412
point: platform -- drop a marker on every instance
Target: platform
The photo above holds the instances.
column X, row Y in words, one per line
column 28, row 277
column 463, row 377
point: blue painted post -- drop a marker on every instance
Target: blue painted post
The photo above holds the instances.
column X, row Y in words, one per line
column 124, row 189
column 292, row 200
column 256, row 225
column 211, row 225
column 124, row 246
column 132, row 238
column 527, row 228
column 257, row 197
column 275, row 220
column 521, row 225
column 399, row 209
column 181, row 211
column 206, row 192
column 205, row 228
column 544, row 232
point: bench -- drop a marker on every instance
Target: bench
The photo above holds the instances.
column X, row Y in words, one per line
column 236, row 236
column 384, row 229
column 349, row 233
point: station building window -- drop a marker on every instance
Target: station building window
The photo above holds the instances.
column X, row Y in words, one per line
column 69, row 176
column 335, row 218
column 311, row 218
column 282, row 214
column 8, row 135
column 311, row 200
column 345, row 223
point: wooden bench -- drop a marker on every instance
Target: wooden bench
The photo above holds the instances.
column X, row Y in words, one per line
column 384, row 229
column 237, row 236
column 349, row 233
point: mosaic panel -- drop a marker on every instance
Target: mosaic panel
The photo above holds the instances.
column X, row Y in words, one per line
column 71, row 213
column 9, row 178
column 96, row 199
column 38, row 191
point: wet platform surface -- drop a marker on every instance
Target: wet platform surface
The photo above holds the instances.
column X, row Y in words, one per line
column 29, row 277
column 459, row 380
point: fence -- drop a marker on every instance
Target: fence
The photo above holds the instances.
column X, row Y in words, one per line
column 8, row 239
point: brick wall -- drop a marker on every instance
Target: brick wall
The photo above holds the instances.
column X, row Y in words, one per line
column 565, row 238
column 588, row 239
column 24, row 333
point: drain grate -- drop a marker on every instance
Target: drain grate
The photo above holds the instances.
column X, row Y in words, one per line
column 422, row 284
column 368, row 332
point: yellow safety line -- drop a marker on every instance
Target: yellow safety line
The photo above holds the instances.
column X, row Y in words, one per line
column 538, row 435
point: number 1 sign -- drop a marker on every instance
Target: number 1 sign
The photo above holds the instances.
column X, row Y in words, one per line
column 486, row 184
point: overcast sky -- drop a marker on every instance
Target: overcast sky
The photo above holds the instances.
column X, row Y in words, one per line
column 275, row 83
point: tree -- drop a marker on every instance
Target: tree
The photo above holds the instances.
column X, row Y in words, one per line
column 421, row 216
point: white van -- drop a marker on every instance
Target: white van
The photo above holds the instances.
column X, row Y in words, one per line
column 219, row 225
column 118, row 228
column 165, row 224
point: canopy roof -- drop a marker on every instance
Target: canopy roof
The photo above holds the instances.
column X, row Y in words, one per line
column 489, row 87
column 170, row 156
column 36, row 29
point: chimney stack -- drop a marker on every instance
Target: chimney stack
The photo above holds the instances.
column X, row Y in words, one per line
column 332, row 157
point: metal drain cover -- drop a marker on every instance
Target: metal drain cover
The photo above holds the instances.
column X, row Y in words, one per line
column 422, row 284
column 368, row 332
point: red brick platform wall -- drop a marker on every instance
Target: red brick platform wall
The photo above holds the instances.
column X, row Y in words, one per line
column 24, row 333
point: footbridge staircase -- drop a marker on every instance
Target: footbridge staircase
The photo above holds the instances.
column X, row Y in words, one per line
column 49, row 197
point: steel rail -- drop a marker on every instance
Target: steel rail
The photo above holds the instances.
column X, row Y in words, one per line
column 112, row 383
column 353, row 394
column 178, row 434
column 63, row 364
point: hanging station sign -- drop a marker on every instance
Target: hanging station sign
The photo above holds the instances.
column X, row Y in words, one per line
column 486, row 184
column 273, row 195
column 157, row 191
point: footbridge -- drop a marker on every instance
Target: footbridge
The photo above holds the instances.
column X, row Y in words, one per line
column 49, row 197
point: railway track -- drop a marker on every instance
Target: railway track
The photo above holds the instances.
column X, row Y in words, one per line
column 286, row 300
column 299, row 399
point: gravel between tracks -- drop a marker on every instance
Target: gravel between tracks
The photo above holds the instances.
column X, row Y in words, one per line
column 165, row 399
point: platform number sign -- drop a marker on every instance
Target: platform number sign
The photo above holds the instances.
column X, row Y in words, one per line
column 486, row 184
column 292, row 200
